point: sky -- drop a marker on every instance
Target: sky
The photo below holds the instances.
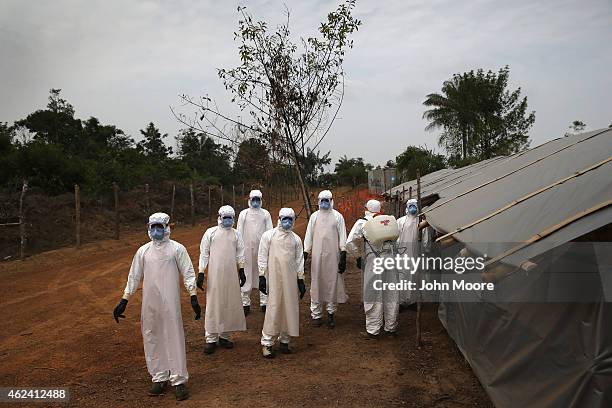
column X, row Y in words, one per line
column 126, row 63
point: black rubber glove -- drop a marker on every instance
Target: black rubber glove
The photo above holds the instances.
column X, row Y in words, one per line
column 358, row 262
column 301, row 287
column 196, row 307
column 305, row 256
column 241, row 277
column 342, row 263
column 119, row 310
column 262, row 285
column 200, row 282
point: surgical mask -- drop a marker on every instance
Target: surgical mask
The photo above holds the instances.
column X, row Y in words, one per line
column 412, row 210
column 255, row 202
column 157, row 233
column 287, row 223
column 325, row 204
column 227, row 222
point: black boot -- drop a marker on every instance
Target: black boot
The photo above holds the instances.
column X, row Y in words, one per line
column 268, row 352
column 331, row 322
column 284, row 348
column 158, row 388
column 225, row 343
column 247, row 310
column 263, row 308
column 181, row 392
column 316, row 322
column 210, row 348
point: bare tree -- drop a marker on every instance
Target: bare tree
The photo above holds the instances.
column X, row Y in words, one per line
column 292, row 96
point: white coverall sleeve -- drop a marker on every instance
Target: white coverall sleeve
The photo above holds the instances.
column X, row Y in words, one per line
column 310, row 232
column 136, row 272
column 299, row 256
column 185, row 267
column 240, row 224
column 262, row 252
column 355, row 237
column 239, row 250
column 205, row 249
column 269, row 224
column 341, row 231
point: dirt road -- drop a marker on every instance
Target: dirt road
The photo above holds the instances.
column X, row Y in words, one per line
column 58, row 330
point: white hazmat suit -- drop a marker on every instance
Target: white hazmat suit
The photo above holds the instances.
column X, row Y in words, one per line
column 408, row 245
column 160, row 264
column 281, row 261
column 325, row 239
column 381, row 306
column 222, row 250
column 252, row 223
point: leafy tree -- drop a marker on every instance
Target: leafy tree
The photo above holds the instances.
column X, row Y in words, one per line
column 292, row 94
column 153, row 143
column 576, row 127
column 252, row 160
column 414, row 158
column 479, row 117
column 352, row 171
column 203, row 155
column 314, row 165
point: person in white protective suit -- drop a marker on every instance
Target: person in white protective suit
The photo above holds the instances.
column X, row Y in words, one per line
column 222, row 251
column 281, row 276
column 381, row 306
column 252, row 223
column 159, row 263
column 408, row 245
column 325, row 241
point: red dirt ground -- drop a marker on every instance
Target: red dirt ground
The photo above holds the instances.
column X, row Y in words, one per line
column 58, row 330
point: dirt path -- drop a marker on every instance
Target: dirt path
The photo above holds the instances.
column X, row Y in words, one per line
column 58, row 331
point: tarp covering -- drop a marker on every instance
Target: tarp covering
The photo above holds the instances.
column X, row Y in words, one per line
column 527, row 354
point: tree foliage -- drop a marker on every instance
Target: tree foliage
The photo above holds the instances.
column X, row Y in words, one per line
column 352, row 171
column 479, row 116
column 415, row 157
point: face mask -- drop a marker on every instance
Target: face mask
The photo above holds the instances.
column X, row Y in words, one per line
column 287, row 223
column 255, row 203
column 325, row 204
column 157, row 233
column 227, row 222
column 412, row 210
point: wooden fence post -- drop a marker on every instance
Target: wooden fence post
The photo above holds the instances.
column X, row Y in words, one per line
column 172, row 202
column 77, row 209
column 234, row 196
column 116, row 194
column 22, row 225
column 192, row 204
column 419, row 294
column 221, row 195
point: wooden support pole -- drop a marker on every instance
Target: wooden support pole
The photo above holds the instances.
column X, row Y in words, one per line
column 116, row 196
column 77, row 218
column 221, row 196
column 22, row 219
column 234, row 197
column 419, row 294
column 172, row 202
column 192, row 204
column 410, row 192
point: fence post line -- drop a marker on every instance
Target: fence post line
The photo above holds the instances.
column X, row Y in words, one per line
column 192, row 204
column 234, row 196
column 209, row 206
column 172, row 202
column 116, row 194
column 147, row 203
column 221, row 195
column 77, row 209
column 22, row 225
column 410, row 192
